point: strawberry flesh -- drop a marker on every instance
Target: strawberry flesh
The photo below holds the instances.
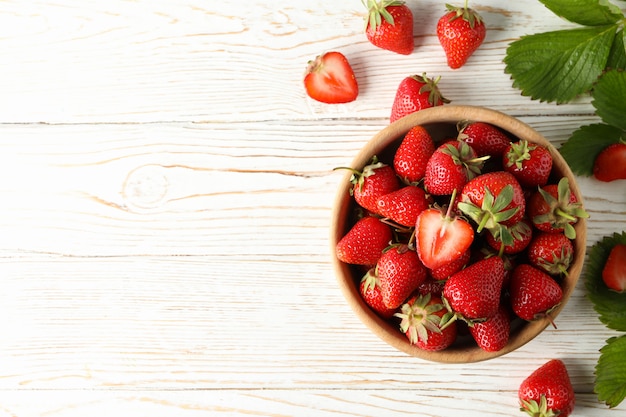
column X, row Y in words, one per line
column 329, row 78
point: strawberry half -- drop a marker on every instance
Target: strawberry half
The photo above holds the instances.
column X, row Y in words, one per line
column 329, row 78
column 614, row 271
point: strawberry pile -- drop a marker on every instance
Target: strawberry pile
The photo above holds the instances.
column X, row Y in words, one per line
column 461, row 239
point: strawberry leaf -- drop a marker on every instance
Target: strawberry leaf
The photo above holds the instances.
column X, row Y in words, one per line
column 585, row 12
column 607, row 303
column 584, row 145
column 617, row 56
column 610, row 383
column 608, row 98
column 559, row 65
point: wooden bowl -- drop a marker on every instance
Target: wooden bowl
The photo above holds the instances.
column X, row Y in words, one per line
column 441, row 123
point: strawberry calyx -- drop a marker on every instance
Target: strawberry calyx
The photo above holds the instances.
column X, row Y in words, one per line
column 430, row 86
column 492, row 213
column 377, row 11
column 559, row 264
column 451, row 316
column 358, row 177
column 370, row 280
column 561, row 213
column 465, row 13
column 538, row 409
column 464, row 155
column 518, row 153
column 418, row 318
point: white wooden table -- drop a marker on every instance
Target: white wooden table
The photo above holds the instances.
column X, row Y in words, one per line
column 166, row 194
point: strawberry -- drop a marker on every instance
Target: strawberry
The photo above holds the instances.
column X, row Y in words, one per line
column 529, row 163
column 522, row 234
column 484, row 138
column 404, row 205
column 450, row 167
column 431, row 286
column 554, row 209
column 415, row 93
column 610, row 164
column 494, row 200
column 420, row 318
column 400, row 273
column 365, row 242
column 551, row 252
column 329, row 78
column 460, row 31
column 534, row 294
column 370, row 291
column 441, row 237
column 614, row 271
column 547, row 391
column 389, row 25
column 473, row 293
column 446, row 271
column 412, row 155
column 376, row 180
column 493, row 334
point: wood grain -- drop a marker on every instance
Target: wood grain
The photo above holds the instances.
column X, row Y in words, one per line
column 166, row 196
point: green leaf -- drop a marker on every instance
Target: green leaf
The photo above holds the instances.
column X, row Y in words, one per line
column 607, row 303
column 585, row 12
column 609, row 98
column 617, row 56
column 560, row 65
column 610, row 383
column 584, row 145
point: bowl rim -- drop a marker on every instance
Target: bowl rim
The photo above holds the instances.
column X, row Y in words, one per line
column 394, row 132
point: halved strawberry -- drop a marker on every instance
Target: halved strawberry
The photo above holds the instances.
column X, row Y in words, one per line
column 614, row 271
column 441, row 237
column 329, row 78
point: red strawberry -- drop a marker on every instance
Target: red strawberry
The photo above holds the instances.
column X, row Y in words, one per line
column 365, row 242
column 473, row 293
column 614, row 271
column 460, row 31
column 329, row 78
column 441, row 238
column 522, row 234
column 610, row 164
column 412, row 155
column 420, row 318
column 446, row 271
column 534, row 294
column 548, row 391
column 529, row 163
column 370, row 291
column 551, row 252
column 492, row 335
column 431, row 286
column 484, row 138
column 415, row 93
column 554, row 209
column 400, row 273
column 389, row 26
column 404, row 205
column 493, row 200
column 450, row 167
column 376, row 180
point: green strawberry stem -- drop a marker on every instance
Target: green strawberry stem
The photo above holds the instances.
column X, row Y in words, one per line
column 565, row 215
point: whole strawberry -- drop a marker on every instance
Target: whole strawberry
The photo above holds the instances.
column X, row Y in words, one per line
column 412, row 155
column 610, row 164
column 389, row 25
column 420, row 318
column 522, row 234
column 554, row 208
column 370, row 291
column 547, row 391
column 450, row 167
column 530, row 163
column 460, row 31
column 534, row 294
column 415, row 93
column 473, row 293
column 446, row 271
column 492, row 335
column 400, row 273
column 484, row 138
column 376, row 180
column 404, row 205
column 365, row 242
column 551, row 252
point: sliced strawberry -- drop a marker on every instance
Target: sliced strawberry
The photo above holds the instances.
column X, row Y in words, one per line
column 610, row 164
column 329, row 78
column 441, row 238
column 614, row 271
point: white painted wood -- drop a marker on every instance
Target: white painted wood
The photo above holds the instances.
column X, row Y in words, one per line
column 166, row 193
